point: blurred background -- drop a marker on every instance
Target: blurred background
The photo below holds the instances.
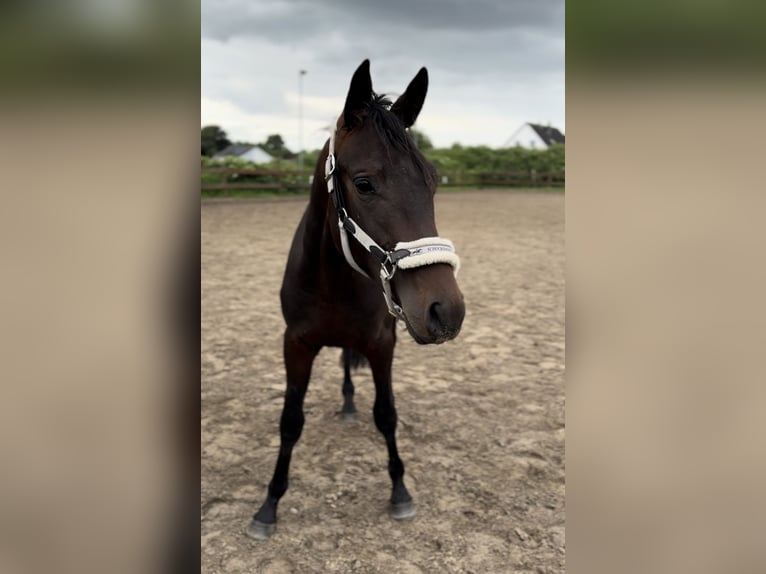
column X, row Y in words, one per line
column 664, row 315
column 100, row 294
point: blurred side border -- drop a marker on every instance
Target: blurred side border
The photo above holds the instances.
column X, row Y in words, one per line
column 665, row 319
column 100, row 113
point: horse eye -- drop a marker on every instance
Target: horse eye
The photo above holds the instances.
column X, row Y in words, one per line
column 364, row 185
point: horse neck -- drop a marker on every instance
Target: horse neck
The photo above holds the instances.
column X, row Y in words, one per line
column 319, row 217
column 319, row 198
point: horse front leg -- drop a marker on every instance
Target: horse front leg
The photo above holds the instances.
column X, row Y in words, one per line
column 384, row 412
column 299, row 358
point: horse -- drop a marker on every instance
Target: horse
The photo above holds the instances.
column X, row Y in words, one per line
column 365, row 255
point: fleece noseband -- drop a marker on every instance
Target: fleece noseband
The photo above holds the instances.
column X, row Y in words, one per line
column 404, row 255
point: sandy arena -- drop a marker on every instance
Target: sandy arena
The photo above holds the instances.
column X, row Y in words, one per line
column 481, row 418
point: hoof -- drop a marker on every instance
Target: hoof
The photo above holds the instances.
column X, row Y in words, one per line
column 402, row 510
column 258, row 530
column 349, row 417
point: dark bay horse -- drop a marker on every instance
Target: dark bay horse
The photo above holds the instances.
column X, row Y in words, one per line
column 365, row 254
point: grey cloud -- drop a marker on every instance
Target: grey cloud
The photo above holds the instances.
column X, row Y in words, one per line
column 286, row 21
column 481, row 54
column 478, row 37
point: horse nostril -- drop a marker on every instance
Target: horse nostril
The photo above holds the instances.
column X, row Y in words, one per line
column 444, row 320
column 436, row 316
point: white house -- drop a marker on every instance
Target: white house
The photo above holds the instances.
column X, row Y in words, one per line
column 535, row 136
column 245, row 151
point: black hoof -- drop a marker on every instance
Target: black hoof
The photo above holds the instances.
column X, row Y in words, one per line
column 402, row 510
column 260, row 530
column 349, row 417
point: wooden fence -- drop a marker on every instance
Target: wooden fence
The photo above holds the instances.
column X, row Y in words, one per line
column 219, row 180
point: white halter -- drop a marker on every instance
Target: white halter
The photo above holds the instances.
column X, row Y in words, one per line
column 404, row 255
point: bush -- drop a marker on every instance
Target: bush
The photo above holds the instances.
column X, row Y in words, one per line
column 477, row 165
column 484, row 159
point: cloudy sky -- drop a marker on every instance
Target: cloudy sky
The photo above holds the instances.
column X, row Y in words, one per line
column 492, row 64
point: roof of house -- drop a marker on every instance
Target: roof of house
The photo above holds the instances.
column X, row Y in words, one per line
column 548, row 134
column 234, row 150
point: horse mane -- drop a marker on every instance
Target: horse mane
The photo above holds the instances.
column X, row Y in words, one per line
column 392, row 132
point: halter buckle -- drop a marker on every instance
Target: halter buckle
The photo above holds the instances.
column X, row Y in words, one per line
column 385, row 278
column 388, row 268
column 329, row 167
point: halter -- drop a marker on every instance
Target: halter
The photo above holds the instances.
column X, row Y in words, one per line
column 404, row 255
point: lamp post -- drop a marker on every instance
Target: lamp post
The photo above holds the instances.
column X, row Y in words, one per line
column 301, row 73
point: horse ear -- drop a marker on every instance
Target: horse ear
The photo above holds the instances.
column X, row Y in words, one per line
column 359, row 94
column 409, row 104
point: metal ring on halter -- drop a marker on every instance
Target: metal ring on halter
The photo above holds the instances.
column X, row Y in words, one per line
column 388, row 275
column 331, row 169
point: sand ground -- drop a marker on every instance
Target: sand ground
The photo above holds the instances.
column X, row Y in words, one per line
column 481, row 418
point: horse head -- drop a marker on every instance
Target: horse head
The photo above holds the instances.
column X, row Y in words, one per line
column 385, row 200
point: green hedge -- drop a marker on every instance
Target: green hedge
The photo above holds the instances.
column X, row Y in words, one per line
column 484, row 159
column 477, row 165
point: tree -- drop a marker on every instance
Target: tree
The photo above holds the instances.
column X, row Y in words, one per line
column 213, row 140
column 421, row 140
column 275, row 145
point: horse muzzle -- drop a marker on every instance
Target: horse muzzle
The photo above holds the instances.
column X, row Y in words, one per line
column 431, row 302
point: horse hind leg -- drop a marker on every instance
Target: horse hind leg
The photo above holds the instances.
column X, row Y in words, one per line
column 298, row 361
column 350, row 360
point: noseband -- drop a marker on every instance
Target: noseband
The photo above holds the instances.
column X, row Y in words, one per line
column 404, row 255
